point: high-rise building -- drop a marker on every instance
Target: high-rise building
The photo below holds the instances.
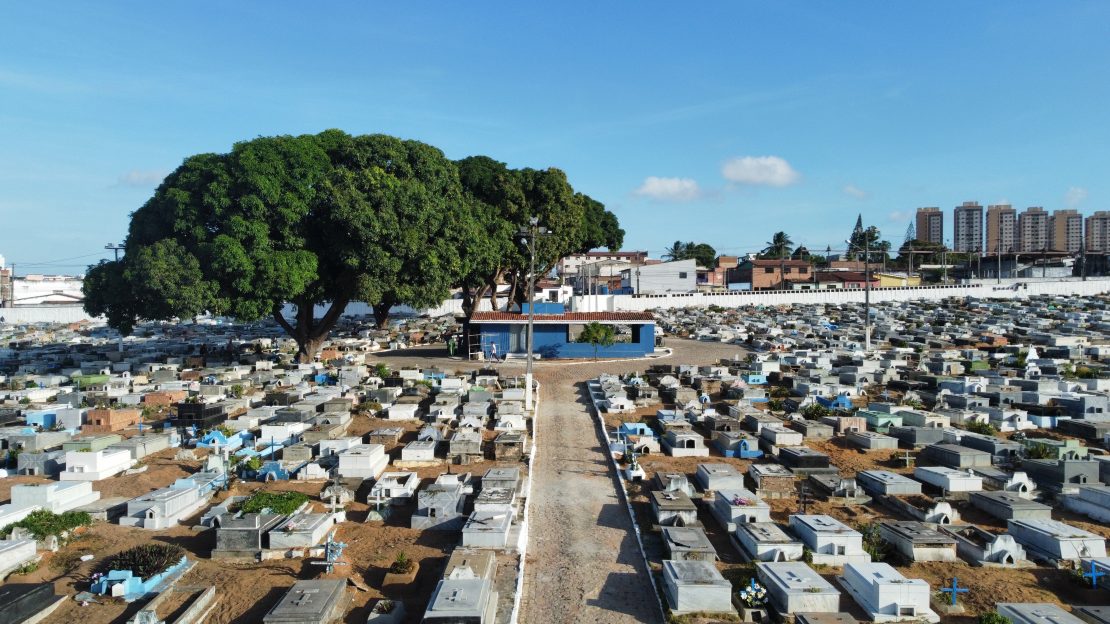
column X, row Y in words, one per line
column 6, row 293
column 1033, row 229
column 967, row 228
column 930, row 225
column 1098, row 232
column 1065, row 231
column 1001, row 219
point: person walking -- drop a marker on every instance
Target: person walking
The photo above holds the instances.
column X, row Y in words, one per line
column 493, row 352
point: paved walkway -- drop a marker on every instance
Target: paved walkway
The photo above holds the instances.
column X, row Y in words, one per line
column 583, row 562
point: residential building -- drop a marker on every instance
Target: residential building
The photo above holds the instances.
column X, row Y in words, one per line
column 1001, row 222
column 769, row 274
column 6, row 295
column 679, row 276
column 1033, row 229
column 715, row 279
column 930, row 225
column 967, row 228
column 571, row 264
column 1065, row 231
column 1098, row 232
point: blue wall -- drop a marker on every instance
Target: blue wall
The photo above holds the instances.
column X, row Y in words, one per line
column 551, row 342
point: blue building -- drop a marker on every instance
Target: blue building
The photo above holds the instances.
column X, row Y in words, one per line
column 556, row 332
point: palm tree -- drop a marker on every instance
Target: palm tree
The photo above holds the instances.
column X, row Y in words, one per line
column 677, row 251
column 778, row 246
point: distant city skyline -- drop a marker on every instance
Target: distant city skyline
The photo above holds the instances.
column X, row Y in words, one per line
column 723, row 124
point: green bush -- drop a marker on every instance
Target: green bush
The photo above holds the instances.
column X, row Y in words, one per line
column 815, row 411
column 276, row 502
column 1039, row 451
column 981, row 428
column 994, row 617
column 43, row 523
column 144, row 561
column 873, row 542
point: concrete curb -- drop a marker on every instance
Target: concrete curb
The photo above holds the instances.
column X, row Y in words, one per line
column 522, row 543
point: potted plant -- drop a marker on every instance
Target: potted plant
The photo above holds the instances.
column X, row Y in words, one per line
column 401, row 573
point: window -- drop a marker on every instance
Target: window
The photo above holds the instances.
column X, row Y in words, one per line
column 803, row 270
column 682, row 275
column 769, row 269
column 787, row 270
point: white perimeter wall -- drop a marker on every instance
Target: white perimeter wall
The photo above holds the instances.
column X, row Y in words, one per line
column 988, row 289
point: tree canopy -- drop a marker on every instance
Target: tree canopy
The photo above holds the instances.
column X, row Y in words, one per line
column 331, row 218
column 702, row 253
column 778, row 246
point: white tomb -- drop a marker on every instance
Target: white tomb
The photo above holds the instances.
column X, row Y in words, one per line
column 56, row 497
column 402, row 411
column 488, row 528
column 794, row 587
column 396, row 488
column 419, row 451
column 1056, row 541
column 830, row 541
column 696, row 587
column 949, row 479
column 1036, row 613
column 719, row 476
column 365, row 461
column 766, row 541
column 887, row 596
column 684, row 444
column 95, row 465
column 735, row 506
column 15, row 553
column 1092, row 501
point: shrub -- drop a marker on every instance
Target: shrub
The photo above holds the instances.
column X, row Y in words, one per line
column 144, row 561
column 43, row 523
column 994, row 617
column 815, row 411
column 1038, row 451
column 276, row 502
column 981, row 428
column 873, row 542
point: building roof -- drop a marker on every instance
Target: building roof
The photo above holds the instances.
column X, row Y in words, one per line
column 771, row 262
column 568, row 317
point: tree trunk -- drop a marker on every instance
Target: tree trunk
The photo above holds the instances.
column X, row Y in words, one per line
column 309, row 334
column 381, row 311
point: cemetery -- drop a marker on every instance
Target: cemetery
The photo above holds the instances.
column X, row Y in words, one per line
column 794, row 587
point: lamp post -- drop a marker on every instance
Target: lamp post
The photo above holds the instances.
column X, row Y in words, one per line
column 114, row 248
column 529, row 236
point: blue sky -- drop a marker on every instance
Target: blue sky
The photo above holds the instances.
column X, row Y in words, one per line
column 722, row 123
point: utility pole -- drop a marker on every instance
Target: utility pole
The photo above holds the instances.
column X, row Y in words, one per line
column 114, row 247
column 944, row 260
column 867, row 296
column 529, row 236
column 1044, row 261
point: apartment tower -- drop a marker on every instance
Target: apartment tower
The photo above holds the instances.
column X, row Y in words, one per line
column 967, row 228
column 1001, row 221
column 1098, row 232
column 1033, row 229
column 1065, row 231
column 930, row 225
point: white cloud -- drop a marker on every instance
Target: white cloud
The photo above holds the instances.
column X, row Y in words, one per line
column 854, row 191
column 759, row 170
column 1075, row 196
column 898, row 215
column 669, row 189
column 139, row 178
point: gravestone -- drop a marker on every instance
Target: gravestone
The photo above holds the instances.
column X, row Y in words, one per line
column 309, row 602
column 20, row 602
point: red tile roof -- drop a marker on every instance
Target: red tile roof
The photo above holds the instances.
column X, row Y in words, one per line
column 569, row 317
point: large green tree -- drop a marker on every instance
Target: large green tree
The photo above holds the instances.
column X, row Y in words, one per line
column 309, row 220
column 778, row 246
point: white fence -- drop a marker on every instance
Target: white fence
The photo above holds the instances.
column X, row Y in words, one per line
column 44, row 314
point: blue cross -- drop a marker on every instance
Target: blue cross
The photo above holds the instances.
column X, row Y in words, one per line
column 1094, row 574
column 955, row 590
column 753, row 585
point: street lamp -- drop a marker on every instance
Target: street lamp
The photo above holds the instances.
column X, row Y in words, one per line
column 528, row 236
column 115, row 248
